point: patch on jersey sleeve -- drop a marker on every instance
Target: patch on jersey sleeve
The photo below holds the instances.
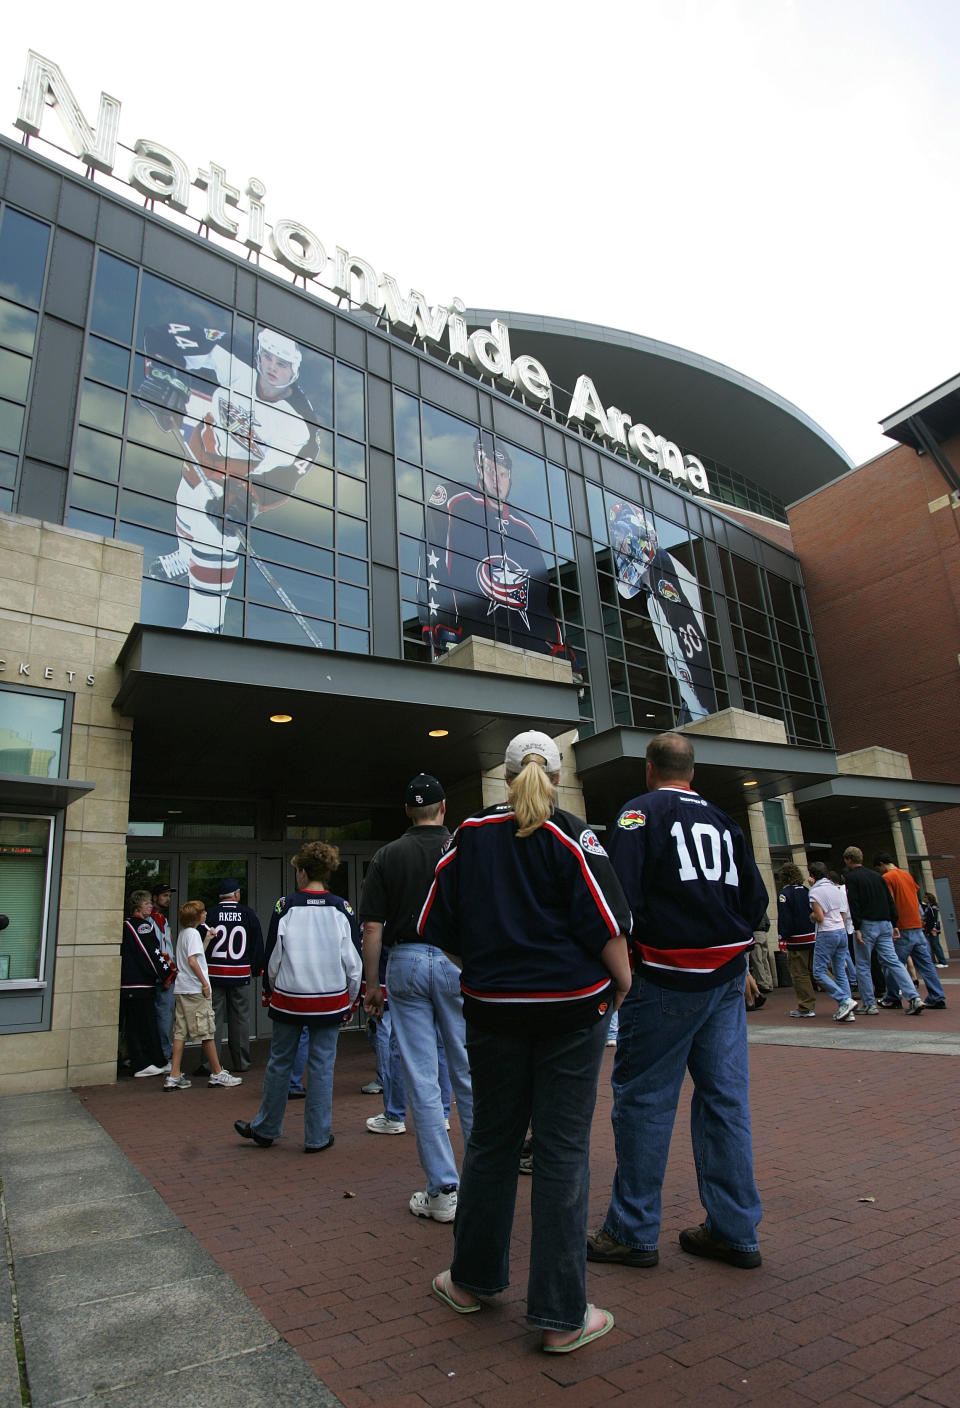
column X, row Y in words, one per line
column 590, row 841
column 629, row 821
column 348, row 906
column 438, row 498
column 667, row 590
column 213, row 334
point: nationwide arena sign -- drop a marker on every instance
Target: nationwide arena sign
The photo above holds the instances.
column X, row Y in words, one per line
column 160, row 175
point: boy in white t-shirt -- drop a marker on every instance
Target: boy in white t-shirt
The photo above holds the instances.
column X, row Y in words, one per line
column 194, row 1017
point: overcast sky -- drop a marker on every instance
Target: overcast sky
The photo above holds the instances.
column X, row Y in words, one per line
column 770, row 183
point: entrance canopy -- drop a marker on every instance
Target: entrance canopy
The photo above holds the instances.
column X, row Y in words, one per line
column 852, row 806
column 358, row 731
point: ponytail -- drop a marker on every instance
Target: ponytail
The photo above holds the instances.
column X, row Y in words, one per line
column 532, row 794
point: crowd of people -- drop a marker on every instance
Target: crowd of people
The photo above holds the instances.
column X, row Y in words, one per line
column 493, row 966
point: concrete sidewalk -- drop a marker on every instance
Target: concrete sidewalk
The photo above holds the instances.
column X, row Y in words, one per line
column 181, row 1245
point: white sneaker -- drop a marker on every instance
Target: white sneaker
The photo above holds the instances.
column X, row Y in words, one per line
column 224, row 1078
column 177, row 1083
column 845, row 1008
column 149, row 1071
column 442, row 1207
column 167, row 1068
column 380, row 1124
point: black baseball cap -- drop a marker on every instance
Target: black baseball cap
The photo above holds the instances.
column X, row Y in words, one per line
column 161, row 890
column 229, row 887
column 423, row 791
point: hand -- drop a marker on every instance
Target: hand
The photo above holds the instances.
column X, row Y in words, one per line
column 751, row 989
column 206, row 992
column 164, row 395
column 858, row 936
column 373, row 1001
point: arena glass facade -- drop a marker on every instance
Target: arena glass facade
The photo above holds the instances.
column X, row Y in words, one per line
column 214, row 547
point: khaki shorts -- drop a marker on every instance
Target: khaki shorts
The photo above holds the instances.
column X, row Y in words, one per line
column 194, row 1019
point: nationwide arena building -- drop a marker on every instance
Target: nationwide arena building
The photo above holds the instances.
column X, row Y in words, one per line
column 278, row 532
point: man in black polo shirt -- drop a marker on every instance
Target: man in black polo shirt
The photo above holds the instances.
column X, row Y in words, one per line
column 424, row 989
column 874, row 916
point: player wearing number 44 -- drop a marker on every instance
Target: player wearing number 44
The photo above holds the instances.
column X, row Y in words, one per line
column 696, row 897
column 235, row 954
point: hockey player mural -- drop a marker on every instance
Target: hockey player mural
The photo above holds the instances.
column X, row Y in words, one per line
column 673, row 604
column 484, row 573
column 247, row 440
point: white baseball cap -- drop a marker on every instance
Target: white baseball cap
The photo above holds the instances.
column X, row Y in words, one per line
column 531, row 742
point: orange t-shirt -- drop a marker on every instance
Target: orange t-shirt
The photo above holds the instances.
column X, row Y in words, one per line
column 905, row 891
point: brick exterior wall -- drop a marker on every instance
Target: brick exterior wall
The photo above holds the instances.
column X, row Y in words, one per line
column 880, row 551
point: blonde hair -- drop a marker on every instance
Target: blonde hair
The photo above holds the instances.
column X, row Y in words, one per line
column 532, row 793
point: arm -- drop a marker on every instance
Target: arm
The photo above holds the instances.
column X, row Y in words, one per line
column 372, row 948
column 194, row 963
column 816, row 910
column 616, row 959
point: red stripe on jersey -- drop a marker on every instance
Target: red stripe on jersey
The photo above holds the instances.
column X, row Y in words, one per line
column 574, row 996
column 692, row 960
column 213, row 576
column 318, row 1004
column 598, row 896
column 445, row 859
column 229, row 970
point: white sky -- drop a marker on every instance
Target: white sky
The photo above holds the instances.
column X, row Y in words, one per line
column 770, row 183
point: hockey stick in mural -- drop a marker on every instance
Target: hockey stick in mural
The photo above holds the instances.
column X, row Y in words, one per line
column 244, row 541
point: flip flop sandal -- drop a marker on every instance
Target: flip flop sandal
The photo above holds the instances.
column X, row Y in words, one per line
column 583, row 1337
column 437, row 1286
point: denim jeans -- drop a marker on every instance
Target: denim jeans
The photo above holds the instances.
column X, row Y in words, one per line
column 664, row 1034
column 318, row 1107
column 424, row 988
column 521, row 1077
column 912, row 943
column 164, row 1002
column 830, row 951
column 390, row 1071
column 300, row 1061
column 878, row 934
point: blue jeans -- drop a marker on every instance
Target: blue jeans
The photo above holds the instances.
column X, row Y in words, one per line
column 830, row 951
column 164, row 1003
column 912, row 943
column 390, row 1071
column 300, row 1061
column 424, row 988
column 521, row 1077
column 664, row 1034
column 878, row 934
column 318, row 1107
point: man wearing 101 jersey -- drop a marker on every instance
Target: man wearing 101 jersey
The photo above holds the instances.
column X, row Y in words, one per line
column 696, row 898
column 244, row 425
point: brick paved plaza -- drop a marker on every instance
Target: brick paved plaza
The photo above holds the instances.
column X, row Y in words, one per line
column 857, row 1303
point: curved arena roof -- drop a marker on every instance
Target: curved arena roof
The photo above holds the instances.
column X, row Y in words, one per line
column 706, row 408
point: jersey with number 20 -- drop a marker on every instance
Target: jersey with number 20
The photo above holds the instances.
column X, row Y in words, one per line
column 693, row 887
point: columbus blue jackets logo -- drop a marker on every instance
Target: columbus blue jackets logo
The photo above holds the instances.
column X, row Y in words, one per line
column 667, row 590
column 438, row 498
column 629, row 821
column 213, row 334
column 684, row 674
column 240, row 422
column 589, row 841
column 505, row 583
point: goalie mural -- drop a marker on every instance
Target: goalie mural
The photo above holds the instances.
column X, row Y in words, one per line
column 673, row 604
column 484, row 573
column 247, row 440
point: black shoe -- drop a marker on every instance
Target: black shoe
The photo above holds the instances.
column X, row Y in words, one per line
column 245, row 1131
column 889, row 1002
column 296, row 1095
column 929, row 1002
column 759, row 1000
column 318, row 1148
column 700, row 1242
column 602, row 1247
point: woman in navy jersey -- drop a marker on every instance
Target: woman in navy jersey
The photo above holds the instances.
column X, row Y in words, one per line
column 526, row 902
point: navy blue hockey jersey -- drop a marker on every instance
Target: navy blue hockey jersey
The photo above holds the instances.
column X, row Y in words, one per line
column 528, row 917
column 693, row 887
column 236, row 953
column 143, row 964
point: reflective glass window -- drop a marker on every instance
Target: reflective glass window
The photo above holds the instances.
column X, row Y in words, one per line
column 25, row 853
column 31, row 733
column 14, row 375
column 11, row 426
column 350, row 410
column 23, row 257
column 97, row 455
column 18, row 327
column 105, row 361
column 114, row 298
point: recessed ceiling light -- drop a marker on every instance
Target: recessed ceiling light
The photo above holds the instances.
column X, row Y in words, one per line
column 438, row 733
column 749, row 784
column 281, row 718
column 175, row 811
column 904, row 809
column 291, row 816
